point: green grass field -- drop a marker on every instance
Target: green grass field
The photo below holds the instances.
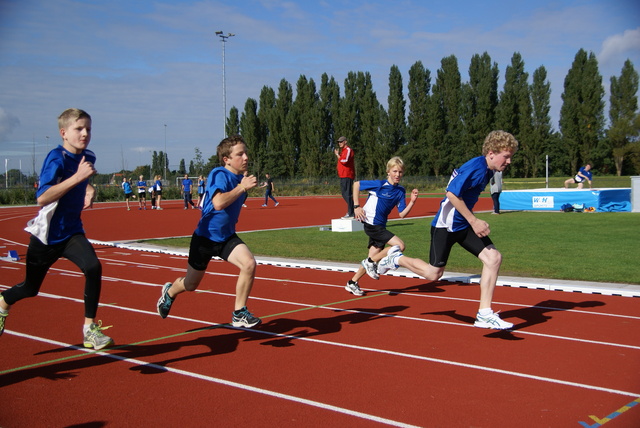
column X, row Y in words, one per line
column 603, row 247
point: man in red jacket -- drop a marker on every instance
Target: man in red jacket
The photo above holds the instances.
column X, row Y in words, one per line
column 347, row 173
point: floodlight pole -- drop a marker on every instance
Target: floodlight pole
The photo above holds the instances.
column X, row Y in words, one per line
column 165, row 152
column 223, row 39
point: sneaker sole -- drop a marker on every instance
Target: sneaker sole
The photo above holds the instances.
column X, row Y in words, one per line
column 245, row 324
column 97, row 348
column 352, row 292
column 488, row 325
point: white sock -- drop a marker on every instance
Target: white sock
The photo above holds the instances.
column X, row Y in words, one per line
column 486, row 311
column 85, row 328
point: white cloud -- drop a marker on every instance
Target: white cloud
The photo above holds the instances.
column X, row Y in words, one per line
column 620, row 46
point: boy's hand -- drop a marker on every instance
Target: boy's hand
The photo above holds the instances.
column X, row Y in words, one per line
column 89, row 196
column 249, row 182
column 480, row 227
column 414, row 195
column 85, row 170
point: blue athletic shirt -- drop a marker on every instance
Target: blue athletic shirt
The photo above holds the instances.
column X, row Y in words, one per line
column 126, row 186
column 466, row 182
column 158, row 185
column 200, row 187
column 585, row 173
column 142, row 186
column 59, row 165
column 219, row 225
column 383, row 196
column 187, row 185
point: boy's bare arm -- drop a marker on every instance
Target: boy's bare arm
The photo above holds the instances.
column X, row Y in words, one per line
column 414, row 196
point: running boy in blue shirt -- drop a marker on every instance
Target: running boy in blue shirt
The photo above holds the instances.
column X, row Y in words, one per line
column 215, row 235
column 57, row 231
column 384, row 195
column 456, row 223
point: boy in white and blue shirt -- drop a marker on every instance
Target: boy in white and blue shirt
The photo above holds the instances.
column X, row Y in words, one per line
column 456, row 223
column 57, row 231
column 384, row 196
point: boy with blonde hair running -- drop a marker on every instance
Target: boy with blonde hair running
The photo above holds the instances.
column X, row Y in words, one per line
column 456, row 223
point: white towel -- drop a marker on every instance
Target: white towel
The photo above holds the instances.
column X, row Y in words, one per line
column 39, row 226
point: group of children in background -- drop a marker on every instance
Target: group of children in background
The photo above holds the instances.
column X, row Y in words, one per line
column 65, row 191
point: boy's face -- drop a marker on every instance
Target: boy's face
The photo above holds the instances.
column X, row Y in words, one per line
column 238, row 160
column 394, row 175
column 499, row 161
column 76, row 135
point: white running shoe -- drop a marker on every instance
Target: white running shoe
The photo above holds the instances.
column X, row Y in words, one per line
column 371, row 268
column 354, row 289
column 492, row 320
column 389, row 262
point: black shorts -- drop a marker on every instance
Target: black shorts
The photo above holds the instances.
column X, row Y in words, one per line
column 202, row 249
column 442, row 241
column 158, row 192
column 378, row 235
column 128, row 195
column 142, row 195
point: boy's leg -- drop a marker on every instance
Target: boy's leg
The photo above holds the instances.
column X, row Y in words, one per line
column 80, row 252
column 242, row 258
column 491, row 260
column 40, row 257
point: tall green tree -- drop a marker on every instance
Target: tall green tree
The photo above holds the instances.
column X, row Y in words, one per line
column 582, row 111
column 445, row 128
column 233, row 122
column 330, row 106
column 480, row 101
column 623, row 115
column 282, row 156
column 250, row 130
column 514, row 113
column 415, row 153
column 541, row 120
column 308, row 114
column 266, row 106
column 395, row 134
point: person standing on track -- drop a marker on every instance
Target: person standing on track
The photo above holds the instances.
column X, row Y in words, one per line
column 128, row 191
column 158, row 191
column 200, row 190
column 187, row 184
column 215, row 235
column 456, row 223
column 142, row 193
column 57, row 231
column 347, row 173
column 384, row 195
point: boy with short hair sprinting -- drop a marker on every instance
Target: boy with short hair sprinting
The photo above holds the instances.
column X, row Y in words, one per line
column 456, row 223
column 384, row 195
column 57, row 231
column 215, row 235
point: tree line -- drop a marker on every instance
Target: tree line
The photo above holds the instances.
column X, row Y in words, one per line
column 446, row 121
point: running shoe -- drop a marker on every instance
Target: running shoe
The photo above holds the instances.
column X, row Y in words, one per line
column 371, row 268
column 95, row 338
column 492, row 321
column 277, row 203
column 244, row 318
column 165, row 301
column 354, row 288
column 389, row 262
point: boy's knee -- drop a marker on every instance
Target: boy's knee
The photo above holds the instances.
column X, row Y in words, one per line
column 93, row 269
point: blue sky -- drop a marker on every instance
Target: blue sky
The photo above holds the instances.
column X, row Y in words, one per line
column 137, row 66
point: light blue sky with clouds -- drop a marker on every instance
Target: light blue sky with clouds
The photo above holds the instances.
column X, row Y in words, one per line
column 137, row 66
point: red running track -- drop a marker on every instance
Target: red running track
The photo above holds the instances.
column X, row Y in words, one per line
column 405, row 354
